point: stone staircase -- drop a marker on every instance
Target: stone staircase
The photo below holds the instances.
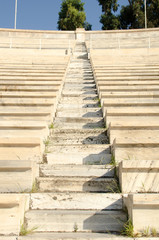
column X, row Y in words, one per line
column 78, row 195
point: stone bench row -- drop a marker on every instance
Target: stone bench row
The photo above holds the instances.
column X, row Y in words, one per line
column 27, row 109
column 141, row 208
column 130, row 107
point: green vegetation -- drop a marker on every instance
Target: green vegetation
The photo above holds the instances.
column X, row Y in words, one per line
column 108, row 18
column 72, row 16
column 24, row 231
column 35, row 187
column 128, row 229
column 131, row 16
column 75, row 228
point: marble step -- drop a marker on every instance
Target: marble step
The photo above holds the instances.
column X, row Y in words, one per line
column 77, row 184
column 75, row 220
column 74, row 236
column 79, row 98
column 73, row 170
column 78, row 154
column 83, row 113
column 78, row 123
column 74, row 201
column 71, row 136
column 79, row 106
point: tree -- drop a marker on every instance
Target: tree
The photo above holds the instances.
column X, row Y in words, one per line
column 133, row 15
column 108, row 18
column 153, row 13
column 72, row 15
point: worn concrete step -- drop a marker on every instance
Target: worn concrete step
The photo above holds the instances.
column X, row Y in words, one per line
column 71, row 136
column 76, row 184
column 47, row 170
column 79, row 154
column 79, row 78
column 81, row 73
column 84, row 85
column 78, row 123
column 75, row 220
column 76, row 201
column 74, row 93
column 83, row 113
column 79, row 87
column 74, row 236
column 79, row 105
column 73, row 97
column 80, row 100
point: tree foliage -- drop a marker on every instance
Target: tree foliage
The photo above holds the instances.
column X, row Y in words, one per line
column 72, row 15
column 108, row 18
column 131, row 16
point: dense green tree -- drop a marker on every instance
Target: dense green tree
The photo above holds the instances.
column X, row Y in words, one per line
column 133, row 15
column 153, row 13
column 72, row 15
column 108, row 18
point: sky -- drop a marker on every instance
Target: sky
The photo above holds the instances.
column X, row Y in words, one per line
column 43, row 14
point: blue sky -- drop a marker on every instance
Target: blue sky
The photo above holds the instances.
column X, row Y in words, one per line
column 43, row 14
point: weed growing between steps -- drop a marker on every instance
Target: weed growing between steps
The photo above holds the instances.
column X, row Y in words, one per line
column 128, row 230
column 51, row 126
column 115, row 186
column 46, row 143
column 75, row 228
column 24, row 231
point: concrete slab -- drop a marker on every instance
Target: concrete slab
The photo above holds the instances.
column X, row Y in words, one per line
column 66, row 221
column 47, row 170
column 76, row 184
column 76, row 200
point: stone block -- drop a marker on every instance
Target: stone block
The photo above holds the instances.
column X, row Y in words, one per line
column 12, row 209
column 143, row 210
column 139, row 176
column 17, row 175
column 135, row 150
column 136, row 133
column 21, row 148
